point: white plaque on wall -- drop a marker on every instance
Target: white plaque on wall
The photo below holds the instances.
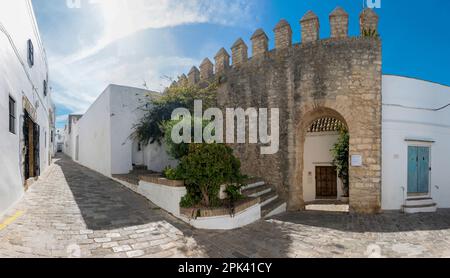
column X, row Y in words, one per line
column 357, row 160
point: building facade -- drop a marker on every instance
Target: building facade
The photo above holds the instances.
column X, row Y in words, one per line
column 27, row 122
column 398, row 127
column 101, row 139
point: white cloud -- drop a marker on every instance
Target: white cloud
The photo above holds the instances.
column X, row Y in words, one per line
column 81, row 76
column 122, row 18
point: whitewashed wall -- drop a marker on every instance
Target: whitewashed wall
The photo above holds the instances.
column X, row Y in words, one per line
column 157, row 159
column 127, row 105
column 17, row 25
column 317, row 153
column 105, row 141
column 400, row 123
column 94, row 131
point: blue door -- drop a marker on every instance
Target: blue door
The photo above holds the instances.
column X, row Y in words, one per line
column 418, row 169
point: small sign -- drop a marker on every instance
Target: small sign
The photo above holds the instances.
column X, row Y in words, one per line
column 357, row 160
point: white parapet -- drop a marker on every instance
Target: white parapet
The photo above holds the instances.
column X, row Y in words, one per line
column 166, row 197
column 227, row 222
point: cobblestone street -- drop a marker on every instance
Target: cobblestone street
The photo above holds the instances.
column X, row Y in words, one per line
column 74, row 212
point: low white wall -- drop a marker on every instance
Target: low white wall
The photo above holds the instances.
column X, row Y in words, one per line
column 411, row 121
column 165, row 197
column 317, row 153
column 226, row 222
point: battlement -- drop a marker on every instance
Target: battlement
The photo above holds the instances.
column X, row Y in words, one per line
column 310, row 30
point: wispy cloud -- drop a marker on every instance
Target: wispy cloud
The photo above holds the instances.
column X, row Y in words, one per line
column 122, row 18
column 118, row 54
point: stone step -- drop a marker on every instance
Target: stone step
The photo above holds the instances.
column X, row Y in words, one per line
column 257, row 191
column 273, row 208
column 429, row 208
column 268, row 198
column 140, row 167
column 252, row 183
column 419, row 201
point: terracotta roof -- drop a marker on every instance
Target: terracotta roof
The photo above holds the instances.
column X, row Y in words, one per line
column 325, row 125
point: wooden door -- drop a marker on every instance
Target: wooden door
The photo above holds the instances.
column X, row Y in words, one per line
column 418, row 170
column 326, row 182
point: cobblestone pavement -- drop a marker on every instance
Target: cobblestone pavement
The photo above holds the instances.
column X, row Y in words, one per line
column 75, row 212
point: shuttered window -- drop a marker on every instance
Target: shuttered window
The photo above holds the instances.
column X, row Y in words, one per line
column 12, row 115
column 30, row 53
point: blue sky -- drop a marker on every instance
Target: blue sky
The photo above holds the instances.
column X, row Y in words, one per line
column 135, row 41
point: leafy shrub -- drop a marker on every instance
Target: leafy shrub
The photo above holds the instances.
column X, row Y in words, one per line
column 340, row 153
column 370, row 33
column 206, row 167
column 234, row 193
column 171, row 173
column 150, row 129
column 178, row 151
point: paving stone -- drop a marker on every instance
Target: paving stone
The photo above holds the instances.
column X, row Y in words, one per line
column 73, row 211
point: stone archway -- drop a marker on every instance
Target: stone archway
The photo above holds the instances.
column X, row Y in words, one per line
column 321, row 181
column 296, row 201
column 364, row 194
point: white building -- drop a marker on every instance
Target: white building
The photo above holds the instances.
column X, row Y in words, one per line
column 59, row 140
column 70, row 133
column 415, row 149
column 101, row 138
column 416, row 143
column 27, row 119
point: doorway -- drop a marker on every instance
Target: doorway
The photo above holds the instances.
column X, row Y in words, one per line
column 418, row 170
column 326, row 182
column 31, row 148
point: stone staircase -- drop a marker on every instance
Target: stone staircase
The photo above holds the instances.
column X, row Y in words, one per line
column 271, row 204
column 419, row 205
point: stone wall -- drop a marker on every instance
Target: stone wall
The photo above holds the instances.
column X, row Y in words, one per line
column 338, row 77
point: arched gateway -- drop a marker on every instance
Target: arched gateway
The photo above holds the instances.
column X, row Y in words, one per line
column 339, row 77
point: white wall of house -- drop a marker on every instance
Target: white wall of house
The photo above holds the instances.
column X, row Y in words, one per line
column 127, row 105
column 19, row 80
column 407, row 114
column 157, row 159
column 70, row 135
column 94, row 132
column 317, row 153
column 105, row 142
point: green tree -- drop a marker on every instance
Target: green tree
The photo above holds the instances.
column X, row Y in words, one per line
column 206, row 168
column 340, row 153
column 150, row 128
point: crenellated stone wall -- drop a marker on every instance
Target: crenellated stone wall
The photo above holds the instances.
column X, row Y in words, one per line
column 338, row 77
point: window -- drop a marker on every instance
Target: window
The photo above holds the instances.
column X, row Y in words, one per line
column 30, row 53
column 51, row 138
column 45, row 88
column 12, row 115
